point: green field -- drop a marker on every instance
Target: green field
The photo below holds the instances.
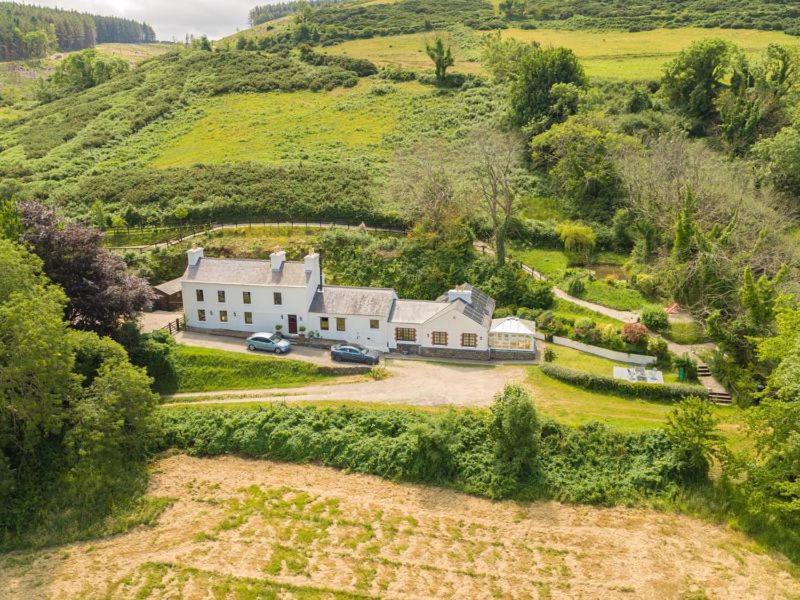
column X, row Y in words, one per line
column 296, row 126
column 607, row 54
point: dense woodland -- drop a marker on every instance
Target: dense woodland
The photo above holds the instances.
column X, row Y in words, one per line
column 29, row 32
column 692, row 177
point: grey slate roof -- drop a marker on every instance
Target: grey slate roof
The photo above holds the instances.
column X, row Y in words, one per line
column 169, row 287
column 479, row 310
column 415, row 311
column 246, row 272
column 340, row 300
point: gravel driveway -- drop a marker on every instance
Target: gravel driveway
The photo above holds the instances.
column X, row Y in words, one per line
column 415, row 382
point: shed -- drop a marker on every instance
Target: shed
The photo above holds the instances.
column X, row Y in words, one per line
column 512, row 333
column 168, row 295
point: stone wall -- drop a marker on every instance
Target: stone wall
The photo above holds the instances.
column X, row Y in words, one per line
column 501, row 354
column 454, row 353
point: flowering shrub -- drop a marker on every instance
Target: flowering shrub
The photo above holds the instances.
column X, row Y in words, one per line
column 634, row 333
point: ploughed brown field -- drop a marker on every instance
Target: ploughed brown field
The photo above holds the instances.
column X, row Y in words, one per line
column 258, row 529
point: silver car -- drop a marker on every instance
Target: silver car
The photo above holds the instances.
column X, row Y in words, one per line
column 268, row 342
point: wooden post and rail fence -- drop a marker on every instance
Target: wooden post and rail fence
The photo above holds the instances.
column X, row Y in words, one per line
column 190, row 230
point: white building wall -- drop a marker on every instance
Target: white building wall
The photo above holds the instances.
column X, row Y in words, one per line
column 357, row 330
column 266, row 314
column 454, row 323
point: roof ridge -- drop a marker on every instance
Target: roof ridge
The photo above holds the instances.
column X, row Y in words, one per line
column 261, row 260
column 358, row 287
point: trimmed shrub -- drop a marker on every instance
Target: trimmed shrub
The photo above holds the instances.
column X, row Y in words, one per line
column 600, row 383
column 655, row 318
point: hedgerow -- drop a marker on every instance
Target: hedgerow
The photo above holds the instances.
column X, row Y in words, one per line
column 467, row 450
column 600, row 383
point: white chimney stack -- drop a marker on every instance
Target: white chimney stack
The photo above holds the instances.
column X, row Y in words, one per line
column 465, row 295
column 277, row 259
column 312, row 262
column 194, row 255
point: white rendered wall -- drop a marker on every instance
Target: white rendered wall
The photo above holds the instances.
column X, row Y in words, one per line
column 357, row 330
column 266, row 314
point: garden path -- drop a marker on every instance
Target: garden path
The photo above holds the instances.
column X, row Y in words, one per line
column 692, row 350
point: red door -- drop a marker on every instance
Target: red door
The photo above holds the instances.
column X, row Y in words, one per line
column 292, row 323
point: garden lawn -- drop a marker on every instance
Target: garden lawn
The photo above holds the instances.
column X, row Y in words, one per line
column 205, row 369
column 576, row 406
column 552, row 264
column 597, row 365
column 568, row 310
column 687, row 333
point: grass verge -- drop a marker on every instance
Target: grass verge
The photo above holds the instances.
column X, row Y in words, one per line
column 206, row 370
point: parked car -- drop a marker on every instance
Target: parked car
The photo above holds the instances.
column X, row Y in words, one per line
column 269, row 342
column 354, row 353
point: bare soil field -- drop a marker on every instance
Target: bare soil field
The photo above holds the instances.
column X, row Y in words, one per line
column 258, row 529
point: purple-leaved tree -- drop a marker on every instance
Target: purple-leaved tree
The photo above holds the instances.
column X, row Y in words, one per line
column 102, row 293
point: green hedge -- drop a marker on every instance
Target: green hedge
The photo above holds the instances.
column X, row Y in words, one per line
column 600, row 383
column 457, row 449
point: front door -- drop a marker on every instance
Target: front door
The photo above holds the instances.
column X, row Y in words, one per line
column 292, row 323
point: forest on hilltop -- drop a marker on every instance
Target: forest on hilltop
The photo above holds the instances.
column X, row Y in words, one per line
column 34, row 32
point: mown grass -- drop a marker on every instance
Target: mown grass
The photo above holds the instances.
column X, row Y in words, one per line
column 686, row 333
column 572, row 405
column 568, row 310
column 604, row 54
column 140, row 511
column 597, row 365
column 553, row 263
column 207, row 369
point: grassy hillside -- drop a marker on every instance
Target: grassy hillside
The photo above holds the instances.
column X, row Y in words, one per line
column 607, row 54
column 18, row 79
column 362, row 124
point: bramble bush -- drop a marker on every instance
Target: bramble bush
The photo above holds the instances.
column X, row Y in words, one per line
column 503, row 453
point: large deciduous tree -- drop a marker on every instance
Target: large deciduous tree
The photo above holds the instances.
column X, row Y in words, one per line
column 535, row 97
column 494, row 160
column 696, row 77
column 101, row 291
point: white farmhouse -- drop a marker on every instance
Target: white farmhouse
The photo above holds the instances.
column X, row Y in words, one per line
column 239, row 296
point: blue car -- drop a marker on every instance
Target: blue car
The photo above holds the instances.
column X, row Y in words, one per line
column 269, row 342
column 354, row 353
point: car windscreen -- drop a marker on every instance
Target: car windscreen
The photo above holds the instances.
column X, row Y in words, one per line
column 275, row 338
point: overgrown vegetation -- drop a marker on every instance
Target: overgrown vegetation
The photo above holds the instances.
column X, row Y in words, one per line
column 506, row 453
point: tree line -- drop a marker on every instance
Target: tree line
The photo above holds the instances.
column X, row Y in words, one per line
column 29, row 32
column 269, row 12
